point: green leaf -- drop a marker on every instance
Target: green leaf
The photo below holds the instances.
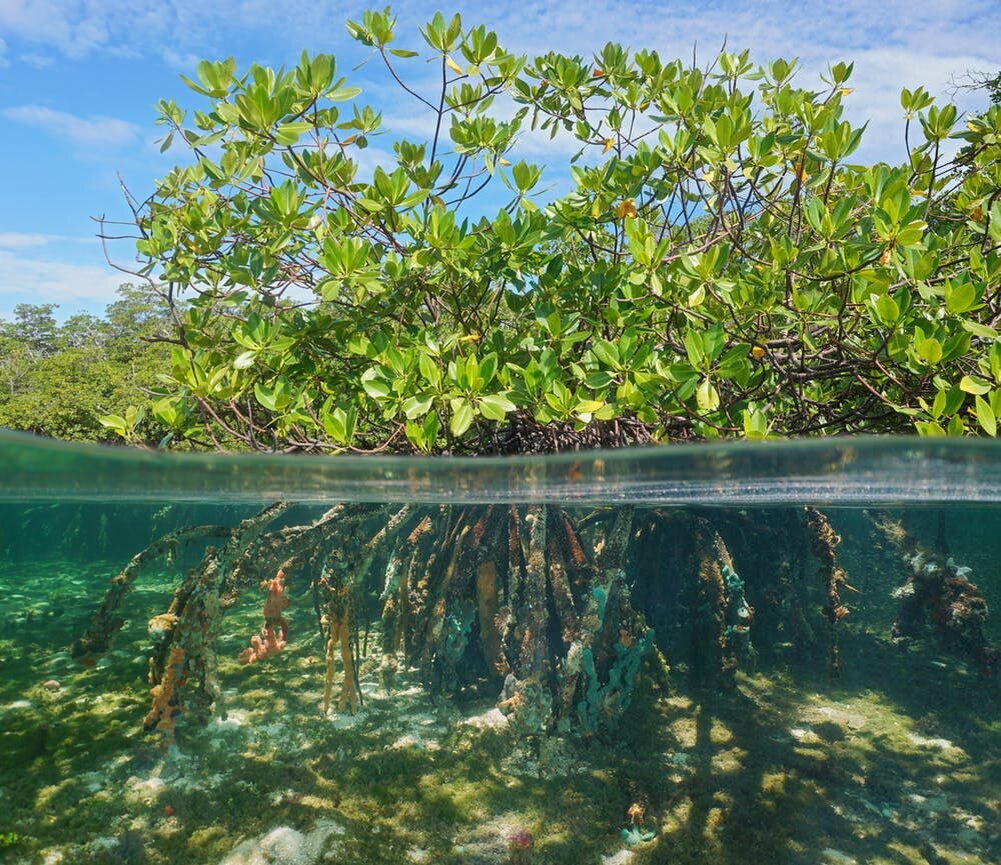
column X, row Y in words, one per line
column 985, row 416
column 755, row 424
column 375, row 388
column 114, row 422
column 462, row 416
column 432, row 427
column 693, row 348
column 974, row 384
column 707, row 396
column 289, row 133
column 417, row 406
column 606, row 352
column 982, row 330
column 429, row 369
column 495, row 406
column 938, row 404
column 342, row 94
column 488, row 368
column 925, row 428
column 598, row 380
column 265, row 396
column 245, row 360
column 930, row 350
column 887, row 308
column 960, row 298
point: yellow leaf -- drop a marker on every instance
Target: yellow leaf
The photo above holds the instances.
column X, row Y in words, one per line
column 469, row 337
column 627, row 207
column 971, row 126
column 845, row 91
column 609, row 144
column 886, row 256
column 757, row 352
column 455, row 67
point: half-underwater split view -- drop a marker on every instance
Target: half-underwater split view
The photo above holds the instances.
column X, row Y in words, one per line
column 504, row 668
column 555, row 433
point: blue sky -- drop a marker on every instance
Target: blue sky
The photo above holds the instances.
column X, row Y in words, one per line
column 79, row 79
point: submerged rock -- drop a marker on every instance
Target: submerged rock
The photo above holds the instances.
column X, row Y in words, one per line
column 492, row 719
column 284, row 845
column 836, row 857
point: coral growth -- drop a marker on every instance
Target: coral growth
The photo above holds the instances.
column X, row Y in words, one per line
column 165, row 703
column 939, row 591
column 739, row 617
column 274, row 633
column 269, row 642
column 519, row 848
column 952, row 603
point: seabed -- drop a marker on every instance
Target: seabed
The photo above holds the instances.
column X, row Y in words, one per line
column 895, row 763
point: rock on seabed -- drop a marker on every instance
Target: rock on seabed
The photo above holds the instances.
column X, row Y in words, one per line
column 284, row 845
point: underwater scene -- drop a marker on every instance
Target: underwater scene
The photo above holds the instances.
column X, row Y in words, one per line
column 781, row 653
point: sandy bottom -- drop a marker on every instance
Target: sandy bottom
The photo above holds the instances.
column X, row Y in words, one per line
column 897, row 762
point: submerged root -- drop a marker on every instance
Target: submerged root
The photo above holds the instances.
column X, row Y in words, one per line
column 339, row 637
column 552, row 614
column 823, row 543
column 938, row 592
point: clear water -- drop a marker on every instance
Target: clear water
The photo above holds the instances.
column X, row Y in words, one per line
column 772, row 654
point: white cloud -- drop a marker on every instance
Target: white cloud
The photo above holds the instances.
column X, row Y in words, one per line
column 29, row 240
column 38, row 61
column 86, row 132
column 27, row 278
column 75, row 27
column 180, row 61
column 369, row 159
column 900, row 43
column 22, row 240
